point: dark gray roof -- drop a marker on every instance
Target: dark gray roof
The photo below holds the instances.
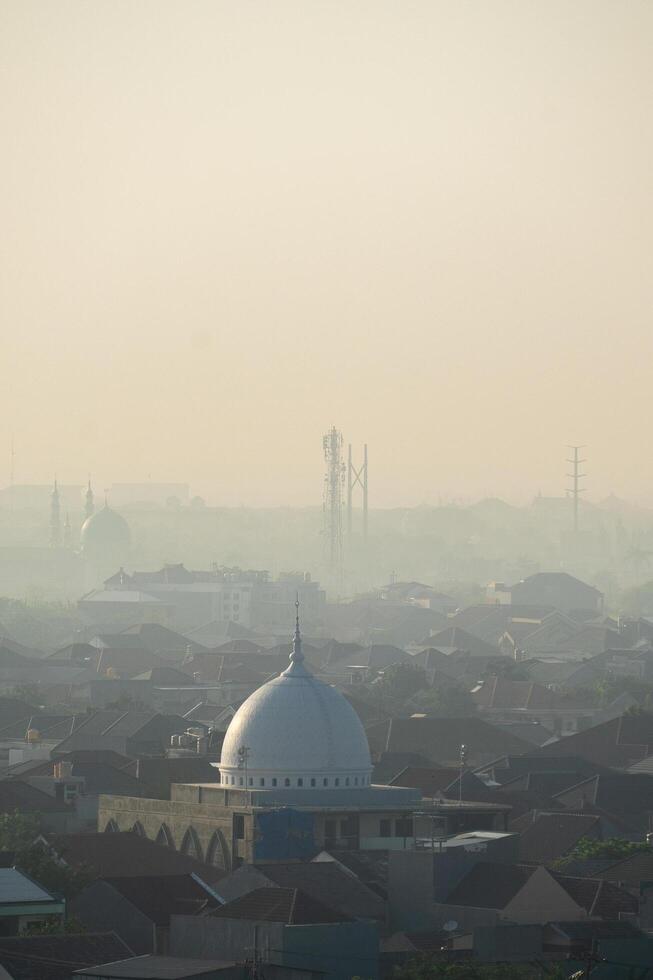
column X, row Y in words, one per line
column 370, row 867
column 490, row 885
column 328, row 883
column 288, row 905
column 111, row 728
column 552, row 836
column 160, row 896
column 16, row 795
column 127, row 855
column 439, row 739
column 54, row 957
column 150, row 967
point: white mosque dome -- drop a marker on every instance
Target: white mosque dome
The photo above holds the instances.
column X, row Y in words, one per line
column 296, row 732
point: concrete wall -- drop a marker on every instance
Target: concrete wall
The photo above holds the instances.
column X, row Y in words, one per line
column 410, row 891
column 178, row 818
column 225, row 939
column 343, row 951
column 339, row 950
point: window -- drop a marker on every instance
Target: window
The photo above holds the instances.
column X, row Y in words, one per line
column 251, row 781
column 312, row 782
column 355, row 780
column 286, row 782
column 240, row 780
column 300, row 781
column 261, row 781
column 347, row 781
column 274, row 781
column 336, row 782
column 239, row 826
column 325, row 782
column 404, row 827
column 385, row 828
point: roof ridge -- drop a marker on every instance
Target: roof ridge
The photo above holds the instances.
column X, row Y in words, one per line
column 293, row 902
column 596, row 896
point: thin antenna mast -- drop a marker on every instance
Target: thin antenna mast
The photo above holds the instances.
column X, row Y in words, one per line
column 576, row 476
column 357, row 477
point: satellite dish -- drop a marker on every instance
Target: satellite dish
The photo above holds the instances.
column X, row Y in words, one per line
column 450, row 926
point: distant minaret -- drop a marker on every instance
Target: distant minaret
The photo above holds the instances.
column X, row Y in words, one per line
column 67, row 533
column 55, row 518
column 89, row 506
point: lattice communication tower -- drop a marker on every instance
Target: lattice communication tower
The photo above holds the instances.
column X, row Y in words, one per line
column 334, row 484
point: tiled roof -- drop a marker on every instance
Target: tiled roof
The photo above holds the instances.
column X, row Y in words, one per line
column 553, row 835
column 600, row 899
column 160, row 896
column 328, row 883
column 439, row 739
column 454, row 636
column 631, row 870
column 501, row 692
column 370, row 867
column 109, row 729
column 443, row 781
column 629, row 795
column 490, row 885
column 288, row 905
column 16, row 795
column 619, row 742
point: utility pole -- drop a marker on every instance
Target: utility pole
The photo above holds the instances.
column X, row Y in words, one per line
column 463, row 763
column 576, row 476
column 357, row 477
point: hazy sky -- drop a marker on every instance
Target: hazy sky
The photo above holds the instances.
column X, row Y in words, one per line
column 226, row 226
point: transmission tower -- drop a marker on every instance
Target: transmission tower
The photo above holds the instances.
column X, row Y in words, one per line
column 334, row 483
column 356, row 477
column 576, row 476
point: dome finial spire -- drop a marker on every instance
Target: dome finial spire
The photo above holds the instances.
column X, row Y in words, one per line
column 297, row 657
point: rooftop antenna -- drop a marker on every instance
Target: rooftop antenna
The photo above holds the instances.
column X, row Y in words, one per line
column 576, row 476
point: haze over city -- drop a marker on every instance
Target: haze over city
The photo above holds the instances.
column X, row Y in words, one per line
column 227, row 227
column 326, row 495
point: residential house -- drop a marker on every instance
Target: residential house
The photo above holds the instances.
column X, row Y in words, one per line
column 297, row 930
column 24, row 904
column 560, row 590
column 327, row 882
column 139, row 908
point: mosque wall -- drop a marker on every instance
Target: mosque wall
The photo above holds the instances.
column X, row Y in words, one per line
column 209, row 833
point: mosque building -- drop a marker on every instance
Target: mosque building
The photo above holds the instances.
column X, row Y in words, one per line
column 104, row 539
column 295, row 777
